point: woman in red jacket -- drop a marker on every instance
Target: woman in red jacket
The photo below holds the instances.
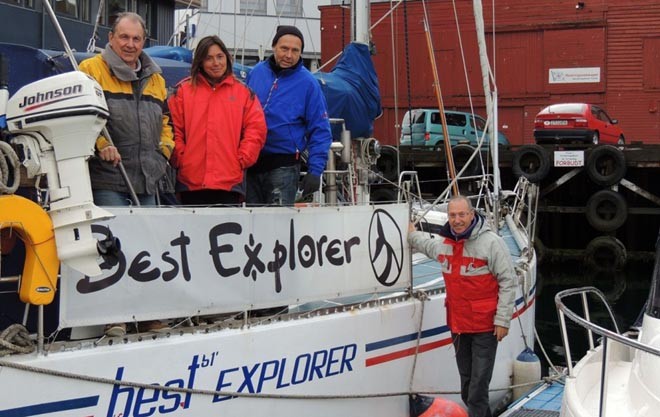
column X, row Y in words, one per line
column 219, row 128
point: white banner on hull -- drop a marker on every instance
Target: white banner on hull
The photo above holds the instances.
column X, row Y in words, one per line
column 178, row 262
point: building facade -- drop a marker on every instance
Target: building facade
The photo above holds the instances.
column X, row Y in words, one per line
column 247, row 27
column 26, row 22
column 607, row 50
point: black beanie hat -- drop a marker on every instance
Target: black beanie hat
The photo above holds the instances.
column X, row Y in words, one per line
column 288, row 30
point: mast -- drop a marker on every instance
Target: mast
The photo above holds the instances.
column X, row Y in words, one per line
column 360, row 14
column 491, row 100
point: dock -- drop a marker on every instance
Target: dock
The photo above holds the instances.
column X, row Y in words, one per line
column 598, row 203
column 544, row 400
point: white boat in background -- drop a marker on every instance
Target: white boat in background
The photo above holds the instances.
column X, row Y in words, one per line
column 621, row 376
column 365, row 324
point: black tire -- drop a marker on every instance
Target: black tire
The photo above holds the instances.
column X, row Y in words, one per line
column 387, row 163
column 461, row 153
column 606, row 165
column 531, row 162
column 595, row 138
column 606, row 253
column 606, row 210
column 384, row 195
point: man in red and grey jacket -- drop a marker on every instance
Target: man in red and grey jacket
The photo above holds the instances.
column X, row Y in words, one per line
column 480, row 283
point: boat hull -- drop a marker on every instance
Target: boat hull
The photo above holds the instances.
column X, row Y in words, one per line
column 359, row 350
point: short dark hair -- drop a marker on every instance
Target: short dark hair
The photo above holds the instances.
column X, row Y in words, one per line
column 201, row 50
column 130, row 16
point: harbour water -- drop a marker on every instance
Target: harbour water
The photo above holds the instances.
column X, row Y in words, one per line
column 625, row 290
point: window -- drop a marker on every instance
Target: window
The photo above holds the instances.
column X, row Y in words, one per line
column 289, row 8
column 455, row 119
column 75, row 8
column 67, row 7
column 146, row 11
column 114, row 8
column 481, row 123
column 24, row 3
column 253, row 7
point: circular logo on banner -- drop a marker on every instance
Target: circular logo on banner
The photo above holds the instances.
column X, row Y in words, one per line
column 386, row 259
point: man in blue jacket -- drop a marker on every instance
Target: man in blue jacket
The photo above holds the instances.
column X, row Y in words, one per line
column 297, row 120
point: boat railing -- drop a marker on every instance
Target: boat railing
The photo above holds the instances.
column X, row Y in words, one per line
column 606, row 334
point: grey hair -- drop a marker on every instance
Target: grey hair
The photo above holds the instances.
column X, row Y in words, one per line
column 458, row 198
column 130, row 16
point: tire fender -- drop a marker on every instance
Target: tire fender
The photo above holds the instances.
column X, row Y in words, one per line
column 606, row 253
column 531, row 162
column 606, row 165
column 606, row 210
column 461, row 153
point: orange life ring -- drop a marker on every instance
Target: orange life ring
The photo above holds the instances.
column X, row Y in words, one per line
column 35, row 228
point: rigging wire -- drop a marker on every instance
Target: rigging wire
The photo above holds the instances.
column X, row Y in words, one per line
column 441, row 107
column 408, row 85
column 375, row 24
column 395, row 84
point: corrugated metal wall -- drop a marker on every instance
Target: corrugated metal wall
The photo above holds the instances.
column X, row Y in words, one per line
column 633, row 89
column 615, row 36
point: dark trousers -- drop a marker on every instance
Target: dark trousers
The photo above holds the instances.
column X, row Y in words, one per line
column 475, row 357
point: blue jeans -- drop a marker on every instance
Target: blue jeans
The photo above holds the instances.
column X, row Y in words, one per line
column 116, row 198
column 276, row 187
column 475, row 358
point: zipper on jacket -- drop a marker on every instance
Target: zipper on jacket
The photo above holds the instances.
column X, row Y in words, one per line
column 270, row 92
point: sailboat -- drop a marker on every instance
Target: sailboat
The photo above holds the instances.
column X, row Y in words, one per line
column 364, row 324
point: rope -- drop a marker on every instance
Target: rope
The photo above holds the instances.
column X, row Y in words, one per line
column 196, row 391
column 91, row 46
column 8, row 159
column 422, row 297
column 15, row 339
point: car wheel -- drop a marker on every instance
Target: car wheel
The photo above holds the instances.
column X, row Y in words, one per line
column 595, row 138
column 621, row 141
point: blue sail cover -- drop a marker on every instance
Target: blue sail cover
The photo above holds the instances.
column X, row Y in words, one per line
column 351, row 90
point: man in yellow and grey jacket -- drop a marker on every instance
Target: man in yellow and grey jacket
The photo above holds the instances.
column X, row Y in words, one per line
column 139, row 123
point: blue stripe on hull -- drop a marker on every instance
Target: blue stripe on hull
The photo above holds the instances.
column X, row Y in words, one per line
column 54, row 407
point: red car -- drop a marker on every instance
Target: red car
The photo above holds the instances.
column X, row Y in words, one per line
column 576, row 122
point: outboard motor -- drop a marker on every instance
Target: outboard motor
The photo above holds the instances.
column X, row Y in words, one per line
column 56, row 121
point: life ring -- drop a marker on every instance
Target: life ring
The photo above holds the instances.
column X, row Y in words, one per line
column 606, row 210
column 531, row 162
column 34, row 227
column 606, row 165
column 461, row 154
column 606, row 253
